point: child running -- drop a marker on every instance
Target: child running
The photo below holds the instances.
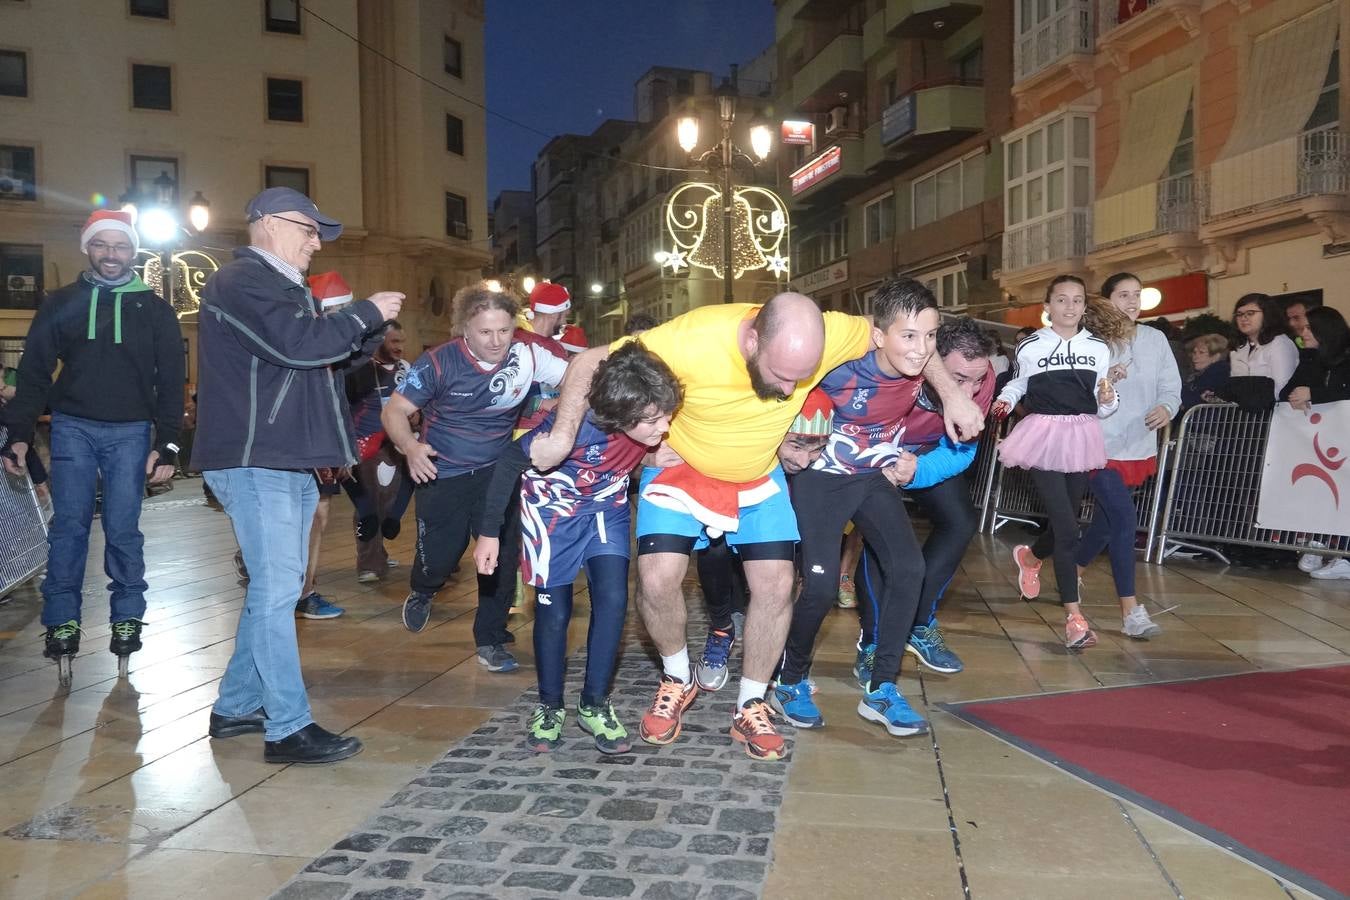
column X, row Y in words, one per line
column 1062, row 378
column 576, row 516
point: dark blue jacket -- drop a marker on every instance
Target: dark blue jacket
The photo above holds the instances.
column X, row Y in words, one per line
column 267, row 394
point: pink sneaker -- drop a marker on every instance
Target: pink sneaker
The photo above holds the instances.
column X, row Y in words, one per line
column 1028, row 572
column 1077, row 634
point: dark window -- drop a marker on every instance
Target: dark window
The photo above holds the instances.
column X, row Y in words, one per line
column 282, row 16
column 13, row 73
column 288, row 176
column 149, row 172
column 151, row 87
column 454, row 134
column 456, row 216
column 20, row 276
column 285, row 100
column 18, row 173
column 971, row 66
column 1327, row 111
column 454, row 57
column 152, row 9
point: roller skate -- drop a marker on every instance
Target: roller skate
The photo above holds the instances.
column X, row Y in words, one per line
column 63, row 642
column 125, row 640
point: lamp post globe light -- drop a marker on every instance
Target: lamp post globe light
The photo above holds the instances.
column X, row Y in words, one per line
column 157, row 221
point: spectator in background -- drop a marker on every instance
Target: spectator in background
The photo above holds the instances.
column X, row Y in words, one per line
column 1000, row 360
column 32, row 461
column 1324, row 376
column 1209, row 370
column 1296, row 313
column 1265, row 351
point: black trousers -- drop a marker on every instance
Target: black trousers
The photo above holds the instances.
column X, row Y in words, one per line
column 1062, row 494
column 721, row 576
column 824, row 504
column 448, row 511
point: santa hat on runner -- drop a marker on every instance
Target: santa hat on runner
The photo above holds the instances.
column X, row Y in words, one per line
column 330, row 290
column 548, row 297
column 108, row 220
column 816, row 417
column 573, row 339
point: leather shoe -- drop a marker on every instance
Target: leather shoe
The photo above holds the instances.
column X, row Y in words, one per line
column 233, row 726
column 311, row 744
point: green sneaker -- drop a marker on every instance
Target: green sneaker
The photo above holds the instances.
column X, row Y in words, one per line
column 545, row 728
column 601, row 722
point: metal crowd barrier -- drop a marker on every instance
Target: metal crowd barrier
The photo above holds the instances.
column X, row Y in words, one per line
column 23, row 531
column 1216, row 484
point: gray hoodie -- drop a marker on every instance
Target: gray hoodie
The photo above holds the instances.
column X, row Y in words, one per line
column 1151, row 378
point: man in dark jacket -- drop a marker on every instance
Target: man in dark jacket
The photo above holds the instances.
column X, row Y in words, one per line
column 269, row 411
column 122, row 376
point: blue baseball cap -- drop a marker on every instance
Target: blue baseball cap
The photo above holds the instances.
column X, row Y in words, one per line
column 276, row 200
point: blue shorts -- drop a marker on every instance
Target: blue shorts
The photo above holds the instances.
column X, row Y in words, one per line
column 769, row 521
column 554, row 546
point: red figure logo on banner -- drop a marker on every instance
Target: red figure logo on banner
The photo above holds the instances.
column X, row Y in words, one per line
column 1326, row 458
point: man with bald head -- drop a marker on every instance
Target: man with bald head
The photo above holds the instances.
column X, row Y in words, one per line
column 746, row 371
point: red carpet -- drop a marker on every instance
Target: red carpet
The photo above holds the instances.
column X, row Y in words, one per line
column 1259, row 763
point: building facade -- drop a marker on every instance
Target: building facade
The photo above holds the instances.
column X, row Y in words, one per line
column 225, row 99
column 1197, row 143
column 512, row 224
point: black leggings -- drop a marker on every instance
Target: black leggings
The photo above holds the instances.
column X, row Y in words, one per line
column 1062, row 495
column 607, row 580
column 824, row 503
column 722, row 578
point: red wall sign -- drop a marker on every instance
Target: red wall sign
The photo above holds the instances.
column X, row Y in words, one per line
column 799, row 133
column 818, row 169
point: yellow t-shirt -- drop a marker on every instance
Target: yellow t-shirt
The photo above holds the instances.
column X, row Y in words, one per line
column 723, row 430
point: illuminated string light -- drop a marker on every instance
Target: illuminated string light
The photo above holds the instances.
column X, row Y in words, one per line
column 694, row 221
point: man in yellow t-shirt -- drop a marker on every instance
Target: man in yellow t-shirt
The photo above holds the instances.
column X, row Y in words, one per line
column 746, row 371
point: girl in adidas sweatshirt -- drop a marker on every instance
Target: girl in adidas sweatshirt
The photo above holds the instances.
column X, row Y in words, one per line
column 1062, row 380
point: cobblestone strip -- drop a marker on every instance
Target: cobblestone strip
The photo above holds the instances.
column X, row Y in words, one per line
column 495, row 821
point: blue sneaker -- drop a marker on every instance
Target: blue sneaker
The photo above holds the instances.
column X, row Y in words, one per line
column 794, row 703
column 927, row 643
column 316, row 606
column 710, row 669
column 862, row 668
column 416, row 611
column 886, row 706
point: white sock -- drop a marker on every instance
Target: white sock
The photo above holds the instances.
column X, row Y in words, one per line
column 677, row 665
column 751, row 690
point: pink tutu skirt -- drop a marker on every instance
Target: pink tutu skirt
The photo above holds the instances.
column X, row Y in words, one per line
column 1055, row 444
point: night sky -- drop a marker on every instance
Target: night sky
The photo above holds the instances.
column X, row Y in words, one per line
column 569, row 76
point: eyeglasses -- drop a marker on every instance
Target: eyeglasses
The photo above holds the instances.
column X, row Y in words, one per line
column 1246, row 313
column 100, row 246
column 311, row 232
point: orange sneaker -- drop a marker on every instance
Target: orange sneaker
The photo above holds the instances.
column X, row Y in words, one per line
column 661, row 724
column 1028, row 572
column 1077, row 633
column 753, row 726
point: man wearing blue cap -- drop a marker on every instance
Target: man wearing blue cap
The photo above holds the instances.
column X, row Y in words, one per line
column 269, row 412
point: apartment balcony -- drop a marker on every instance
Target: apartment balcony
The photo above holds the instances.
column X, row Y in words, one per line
column 1037, row 250
column 1054, row 51
column 836, row 69
column 1300, row 179
column 818, row 10
column 1118, row 36
column 831, row 175
column 1157, row 220
column 929, row 18
column 931, row 118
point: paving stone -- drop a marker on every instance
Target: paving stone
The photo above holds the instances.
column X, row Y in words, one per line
column 485, row 784
column 591, row 859
column 671, row 890
column 627, row 810
column 456, row 768
column 558, row 807
column 469, row 753
column 435, row 780
column 716, row 844
column 664, row 762
column 496, row 803
column 472, row 851
column 459, row 826
column 336, row 864
column 540, row 881
column 729, row 892
column 458, row 873
column 607, row 886
column 631, row 777
column 391, row 893
column 435, row 800
column 587, row 835
column 516, row 771
column 658, row 865
column 362, row 842
column 745, row 821
column 722, row 797
column 585, row 774
column 654, row 793
column 736, row 870
column 313, row 890
column 540, row 856
column 757, row 846
column 651, row 837
column 691, row 814
column 535, row 834
column 395, row 824
column 393, row 869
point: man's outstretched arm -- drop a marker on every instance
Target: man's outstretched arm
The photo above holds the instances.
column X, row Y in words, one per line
column 962, row 415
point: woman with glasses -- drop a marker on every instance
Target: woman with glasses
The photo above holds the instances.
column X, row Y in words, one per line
column 1265, row 350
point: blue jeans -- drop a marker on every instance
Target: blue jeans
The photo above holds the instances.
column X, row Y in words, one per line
column 271, row 510
column 1113, row 528
column 82, row 449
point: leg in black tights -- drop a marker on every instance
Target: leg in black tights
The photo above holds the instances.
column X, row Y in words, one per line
column 1062, row 494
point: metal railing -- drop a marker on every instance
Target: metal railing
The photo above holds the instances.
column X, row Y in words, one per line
column 1312, row 163
column 1216, row 485
column 1045, row 43
column 1065, row 235
column 23, row 531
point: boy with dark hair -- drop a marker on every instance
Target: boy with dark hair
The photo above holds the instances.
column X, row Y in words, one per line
column 577, row 516
column 855, row 479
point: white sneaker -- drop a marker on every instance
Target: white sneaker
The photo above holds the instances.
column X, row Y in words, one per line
column 1311, row 562
column 368, row 577
column 391, row 562
column 1139, row 626
column 1334, row 571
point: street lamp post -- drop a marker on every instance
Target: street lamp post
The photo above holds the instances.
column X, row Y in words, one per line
column 724, row 156
column 158, row 224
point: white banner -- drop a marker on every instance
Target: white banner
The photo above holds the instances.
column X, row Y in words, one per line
column 1305, row 485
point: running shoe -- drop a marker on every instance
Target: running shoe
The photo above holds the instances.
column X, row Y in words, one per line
column 848, row 593
column 927, row 643
column 497, row 658
column 793, row 702
column 711, row 670
column 601, row 723
column 416, row 611
column 661, row 724
column 1139, row 626
column 886, row 707
column 753, row 726
column 1311, row 562
column 862, row 667
column 544, row 730
column 368, row 577
column 316, row 606
column 1077, row 633
column 1334, row 571
column 391, row 563
column 1028, row 572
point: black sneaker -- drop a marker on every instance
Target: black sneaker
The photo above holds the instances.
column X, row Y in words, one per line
column 126, row 637
column 416, row 611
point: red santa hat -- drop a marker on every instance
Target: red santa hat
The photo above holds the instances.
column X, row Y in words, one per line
column 816, row 417
column 330, row 290
column 108, row 220
column 548, row 297
column 573, row 339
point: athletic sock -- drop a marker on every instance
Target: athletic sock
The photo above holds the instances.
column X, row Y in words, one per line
column 677, row 665
column 750, row 690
